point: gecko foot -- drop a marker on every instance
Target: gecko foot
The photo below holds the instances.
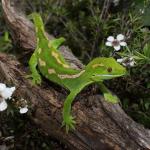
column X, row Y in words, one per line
column 69, row 123
column 111, row 98
column 36, row 78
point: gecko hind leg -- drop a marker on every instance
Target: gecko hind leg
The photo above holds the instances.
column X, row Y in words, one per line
column 57, row 42
column 36, row 78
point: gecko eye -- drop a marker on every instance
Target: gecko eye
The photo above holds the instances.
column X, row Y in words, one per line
column 109, row 69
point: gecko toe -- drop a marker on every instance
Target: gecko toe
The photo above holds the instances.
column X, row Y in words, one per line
column 69, row 123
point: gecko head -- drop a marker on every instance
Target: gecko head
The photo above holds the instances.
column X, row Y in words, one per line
column 104, row 68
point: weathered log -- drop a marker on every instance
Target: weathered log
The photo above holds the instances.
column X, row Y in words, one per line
column 100, row 125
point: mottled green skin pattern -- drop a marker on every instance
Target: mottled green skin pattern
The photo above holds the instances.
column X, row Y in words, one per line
column 52, row 65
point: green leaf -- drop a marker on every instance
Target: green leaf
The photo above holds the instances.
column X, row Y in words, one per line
column 147, row 50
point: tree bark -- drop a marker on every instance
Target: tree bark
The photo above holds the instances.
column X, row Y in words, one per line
column 100, row 125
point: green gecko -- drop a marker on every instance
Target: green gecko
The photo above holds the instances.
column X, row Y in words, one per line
column 53, row 66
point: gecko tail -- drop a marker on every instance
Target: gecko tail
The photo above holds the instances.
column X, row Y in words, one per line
column 37, row 19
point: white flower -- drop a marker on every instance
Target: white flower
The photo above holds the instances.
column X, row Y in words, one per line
column 127, row 62
column 5, row 93
column 23, row 110
column 116, row 43
column 23, row 106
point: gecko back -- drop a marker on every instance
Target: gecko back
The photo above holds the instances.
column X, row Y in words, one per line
column 51, row 63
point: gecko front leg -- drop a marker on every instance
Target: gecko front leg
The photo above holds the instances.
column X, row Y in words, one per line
column 107, row 94
column 68, row 119
column 36, row 78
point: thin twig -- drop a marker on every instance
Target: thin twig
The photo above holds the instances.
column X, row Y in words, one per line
column 105, row 9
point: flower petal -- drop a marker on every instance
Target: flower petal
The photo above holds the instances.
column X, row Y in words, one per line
column 108, row 44
column 110, row 38
column 13, row 89
column 120, row 60
column 123, row 43
column 117, row 48
column 2, row 86
column 23, row 110
column 120, row 37
column 132, row 63
column 3, row 105
column 7, row 93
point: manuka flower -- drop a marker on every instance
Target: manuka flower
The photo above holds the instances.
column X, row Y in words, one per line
column 23, row 106
column 5, row 93
column 116, row 43
column 127, row 61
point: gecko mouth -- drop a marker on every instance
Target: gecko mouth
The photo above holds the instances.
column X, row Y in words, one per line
column 110, row 75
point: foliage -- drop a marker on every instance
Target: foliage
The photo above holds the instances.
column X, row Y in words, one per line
column 5, row 42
